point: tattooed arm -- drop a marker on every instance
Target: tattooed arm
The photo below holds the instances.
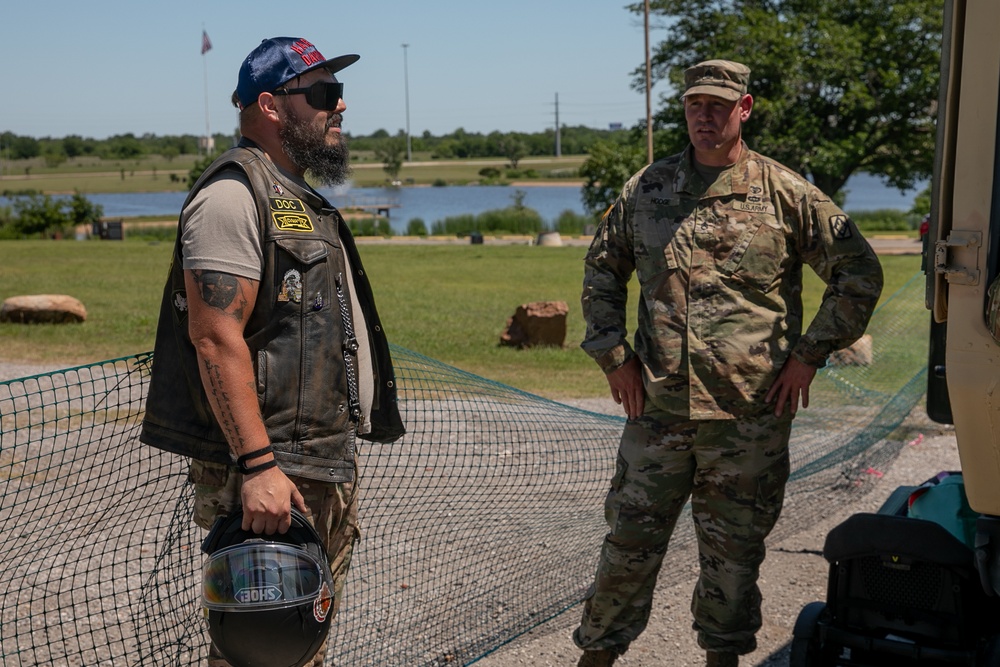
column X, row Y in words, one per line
column 219, row 306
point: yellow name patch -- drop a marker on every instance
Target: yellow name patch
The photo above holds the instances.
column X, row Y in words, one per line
column 296, row 205
column 290, row 215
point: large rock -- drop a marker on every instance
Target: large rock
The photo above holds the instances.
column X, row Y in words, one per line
column 536, row 323
column 42, row 309
column 858, row 354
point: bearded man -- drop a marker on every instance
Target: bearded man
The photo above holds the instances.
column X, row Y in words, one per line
column 270, row 357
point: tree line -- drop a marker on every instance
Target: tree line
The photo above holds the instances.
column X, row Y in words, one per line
column 456, row 145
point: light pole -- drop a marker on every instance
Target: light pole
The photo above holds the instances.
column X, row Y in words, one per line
column 406, row 88
column 649, row 112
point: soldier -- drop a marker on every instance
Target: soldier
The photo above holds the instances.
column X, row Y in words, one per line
column 717, row 235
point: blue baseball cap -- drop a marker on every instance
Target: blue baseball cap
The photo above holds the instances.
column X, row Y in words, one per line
column 278, row 60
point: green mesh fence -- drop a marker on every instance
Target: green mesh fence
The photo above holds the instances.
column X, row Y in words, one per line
column 482, row 523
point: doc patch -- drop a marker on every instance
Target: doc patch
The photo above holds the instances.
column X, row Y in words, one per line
column 840, row 227
column 289, row 215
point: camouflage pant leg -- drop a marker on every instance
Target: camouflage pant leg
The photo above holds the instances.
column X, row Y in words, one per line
column 737, row 496
column 332, row 509
column 653, row 477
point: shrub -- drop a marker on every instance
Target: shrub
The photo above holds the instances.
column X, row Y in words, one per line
column 370, row 227
column 883, row 220
column 416, row 227
column 510, row 220
column 572, row 224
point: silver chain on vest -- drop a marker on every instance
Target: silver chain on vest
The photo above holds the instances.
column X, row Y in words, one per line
column 350, row 350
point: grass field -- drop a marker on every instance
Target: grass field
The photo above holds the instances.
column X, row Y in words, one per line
column 447, row 302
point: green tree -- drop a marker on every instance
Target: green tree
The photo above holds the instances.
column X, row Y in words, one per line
column 15, row 147
column 83, row 211
column 390, row 151
column 198, row 168
column 123, row 146
column 512, row 147
column 73, row 145
column 606, row 169
column 922, row 202
column 38, row 216
column 53, row 157
column 839, row 85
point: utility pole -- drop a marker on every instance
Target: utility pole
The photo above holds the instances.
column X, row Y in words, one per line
column 558, row 138
column 649, row 109
column 406, row 88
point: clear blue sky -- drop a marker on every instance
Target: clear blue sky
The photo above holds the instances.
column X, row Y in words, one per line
column 107, row 67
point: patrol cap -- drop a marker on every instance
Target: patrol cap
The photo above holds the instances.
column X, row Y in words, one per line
column 722, row 78
column 278, row 60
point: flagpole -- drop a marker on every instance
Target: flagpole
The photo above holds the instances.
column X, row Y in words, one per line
column 204, row 61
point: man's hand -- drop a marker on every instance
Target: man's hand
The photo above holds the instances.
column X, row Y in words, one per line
column 792, row 382
column 267, row 498
column 627, row 389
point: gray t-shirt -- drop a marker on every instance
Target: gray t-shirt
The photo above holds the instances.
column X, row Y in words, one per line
column 219, row 232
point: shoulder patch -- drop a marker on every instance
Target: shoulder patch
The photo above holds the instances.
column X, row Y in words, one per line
column 840, row 227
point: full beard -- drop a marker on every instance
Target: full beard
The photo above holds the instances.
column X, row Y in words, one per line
column 328, row 163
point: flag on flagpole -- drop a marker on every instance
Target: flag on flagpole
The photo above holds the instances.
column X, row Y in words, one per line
column 206, row 43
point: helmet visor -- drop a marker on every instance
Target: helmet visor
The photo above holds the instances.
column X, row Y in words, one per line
column 254, row 576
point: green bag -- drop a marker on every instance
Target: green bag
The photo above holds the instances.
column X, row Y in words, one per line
column 943, row 501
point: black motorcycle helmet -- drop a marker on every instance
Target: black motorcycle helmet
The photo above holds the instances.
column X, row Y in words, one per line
column 267, row 597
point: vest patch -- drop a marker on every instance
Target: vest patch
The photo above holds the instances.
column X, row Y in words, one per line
column 291, row 287
column 284, row 204
column 292, row 222
column 753, row 207
column 290, row 215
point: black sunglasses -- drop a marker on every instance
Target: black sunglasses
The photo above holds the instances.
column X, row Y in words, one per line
column 322, row 95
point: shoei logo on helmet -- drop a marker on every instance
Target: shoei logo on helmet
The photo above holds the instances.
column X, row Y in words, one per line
column 257, row 595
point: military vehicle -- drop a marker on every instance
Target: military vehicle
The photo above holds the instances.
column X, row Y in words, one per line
column 907, row 591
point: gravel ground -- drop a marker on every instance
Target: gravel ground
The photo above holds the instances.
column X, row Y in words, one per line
column 793, row 575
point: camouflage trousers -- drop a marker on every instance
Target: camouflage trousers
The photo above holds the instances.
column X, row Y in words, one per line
column 332, row 509
column 734, row 472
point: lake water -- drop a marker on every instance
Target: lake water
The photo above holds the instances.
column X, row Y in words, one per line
column 864, row 192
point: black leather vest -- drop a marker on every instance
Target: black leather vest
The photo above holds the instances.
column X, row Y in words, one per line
column 295, row 335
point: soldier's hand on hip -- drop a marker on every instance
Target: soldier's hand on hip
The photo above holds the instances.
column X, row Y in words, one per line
column 627, row 389
column 792, row 383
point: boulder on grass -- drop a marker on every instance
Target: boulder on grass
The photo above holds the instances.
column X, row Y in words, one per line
column 858, row 354
column 42, row 309
column 536, row 323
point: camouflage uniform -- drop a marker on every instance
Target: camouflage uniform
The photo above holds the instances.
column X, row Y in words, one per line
column 720, row 273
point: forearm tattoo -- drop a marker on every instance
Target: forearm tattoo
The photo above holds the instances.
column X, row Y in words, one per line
column 221, row 290
column 223, row 406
